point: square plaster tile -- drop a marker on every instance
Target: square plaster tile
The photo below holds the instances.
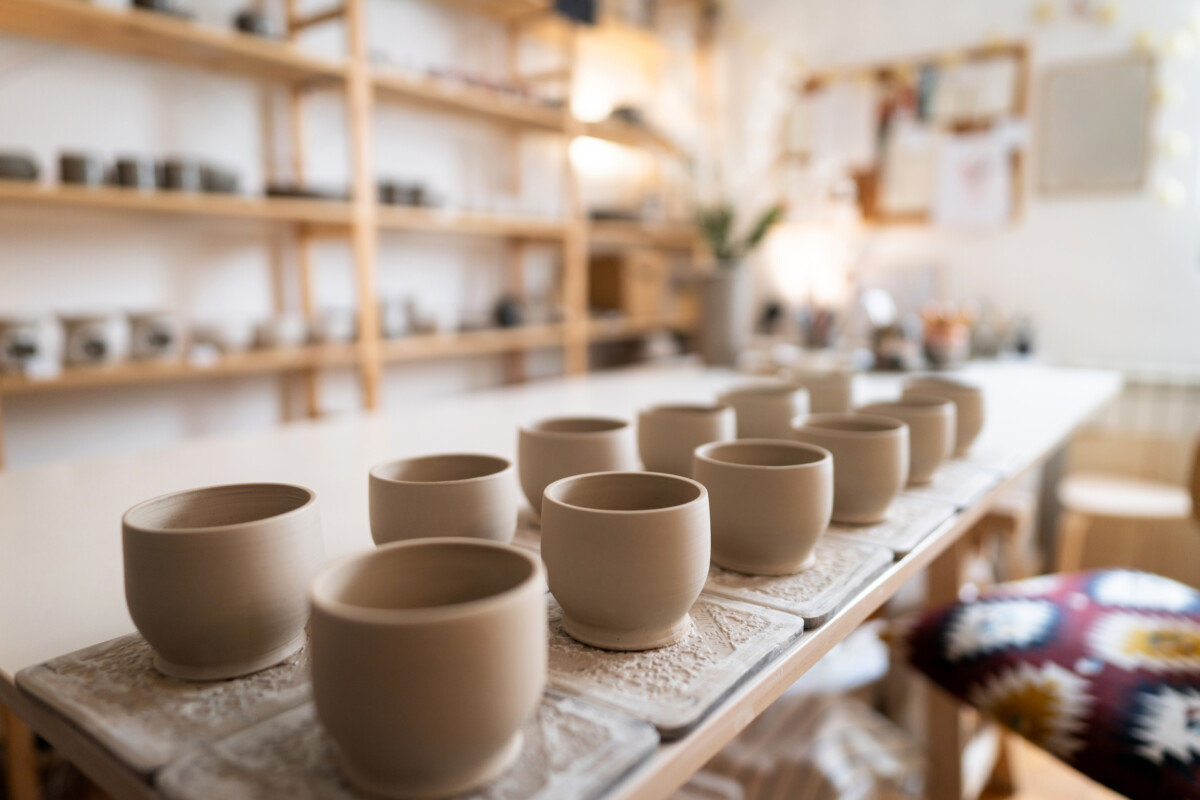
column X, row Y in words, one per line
column 529, row 531
column 843, row 567
column 959, row 483
column 674, row 687
column 910, row 519
column 572, row 750
column 112, row 692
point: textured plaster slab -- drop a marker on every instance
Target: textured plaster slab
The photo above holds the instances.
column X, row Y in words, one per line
column 112, row 693
column 843, row 566
column 959, row 483
column 529, row 531
column 572, row 750
column 910, row 519
column 674, row 687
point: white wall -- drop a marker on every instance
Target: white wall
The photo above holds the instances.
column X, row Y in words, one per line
column 57, row 98
column 1110, row 279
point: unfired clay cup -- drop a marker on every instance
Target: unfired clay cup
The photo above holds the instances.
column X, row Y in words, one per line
column 668, row 435
column 456, row 495
column 626, row 556
column 930, row 422
column 765, row 410
column 870, row 461
column 563, row 446
column 968, row 404
column 216, row 579
column 427, row 658
column 770, row 501
column 830, row 391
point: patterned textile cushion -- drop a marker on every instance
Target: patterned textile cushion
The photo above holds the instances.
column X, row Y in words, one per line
column 1102, row 669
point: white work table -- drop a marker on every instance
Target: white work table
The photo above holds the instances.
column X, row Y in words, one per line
column 61, row 583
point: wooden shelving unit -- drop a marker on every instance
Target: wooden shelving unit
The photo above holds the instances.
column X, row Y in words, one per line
column 361, row 220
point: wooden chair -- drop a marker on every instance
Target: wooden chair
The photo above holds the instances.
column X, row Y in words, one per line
column 1087, row 496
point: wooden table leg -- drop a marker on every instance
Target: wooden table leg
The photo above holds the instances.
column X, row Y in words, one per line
column 20, row 759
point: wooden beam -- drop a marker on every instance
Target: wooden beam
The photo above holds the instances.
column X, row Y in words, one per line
column 298, row 23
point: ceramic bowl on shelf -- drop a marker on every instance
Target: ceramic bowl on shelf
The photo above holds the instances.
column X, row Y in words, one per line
column 135, row 172
column 81, row 169
column 626, row 555
column 870, row 461
column 156, row 335
column 830, row 391
column 229, row 335
column 669, row 434
column 216, row 579
column 18, row 166
column 770, row 501
column 334, row 326
column 24, row 340
column 285, row 330
column 563, row 446
column 179, row 174
column 931, row 425
column 218, row 180
column 466, row 495
column 428, row 656
column 91, row 339
column 968, row 405
column 766, row 409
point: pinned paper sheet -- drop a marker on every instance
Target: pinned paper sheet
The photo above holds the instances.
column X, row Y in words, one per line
column 909, row 166
column 978, row 89
column 844, row 124
column 974, row 181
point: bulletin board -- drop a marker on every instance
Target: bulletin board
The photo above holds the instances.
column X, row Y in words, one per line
column 934, row 140
column 1094, row 132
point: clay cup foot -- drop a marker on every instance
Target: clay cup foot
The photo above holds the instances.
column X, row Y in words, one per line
column 221, row 672
column 430, row 788
column 607, row 639
column 773, row 570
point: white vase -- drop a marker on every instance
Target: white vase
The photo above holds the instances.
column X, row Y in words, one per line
column 725, row 314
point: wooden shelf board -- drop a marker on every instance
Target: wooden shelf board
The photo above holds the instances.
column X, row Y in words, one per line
column 500, row 9
column 666, row 235
column 443, row 96
column 426, row 347
column 618, row 132
column 212, row 205
column 433, row 220
column 153, row 35
column 135, row 372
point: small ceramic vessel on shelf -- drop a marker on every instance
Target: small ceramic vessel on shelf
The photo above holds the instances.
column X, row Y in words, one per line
column 216, row 579
column 626, row 555
column 668, row 435
column 931, row 425
column 428, row 656
column 454, row 494
column 156, row 335
column 93, row 339
column 766, row 409
column 830, row 391
column 870, row 461
column 968, row 404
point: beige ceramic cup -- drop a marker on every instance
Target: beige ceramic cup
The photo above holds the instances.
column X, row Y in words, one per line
column 668, row 435
column 766, row 409
column 930, row 422
column 216, row 579
column 427, row 658
column 563, row 446
column 968, row 404
column 870, row 461
column 626, row 556
column 770, row 501
column 829, row 391
column 451, row 495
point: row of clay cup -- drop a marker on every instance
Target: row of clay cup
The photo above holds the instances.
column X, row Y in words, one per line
column 429, row 654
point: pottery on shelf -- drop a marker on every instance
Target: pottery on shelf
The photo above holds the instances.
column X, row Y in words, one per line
column 218, row 180
column 81, row 169
column 18, row 166
column 180, row 175
column 90, row 339
column 230, row 335
column 930, row 422
column 770, row 501
column 830, row 391
column 766, row 409
column 455, row 494
column 216, row 579
column 135, row 172
column 23, row 340
column 563, row 446
column 335, row 326
column 155, row 336
column 285, row 330
column 427, row 658
column 626, row 555
column 968, row 405
column 668, row 435
column 870, row 461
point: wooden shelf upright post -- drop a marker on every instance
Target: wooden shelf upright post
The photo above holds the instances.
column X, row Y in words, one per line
column 575, row 246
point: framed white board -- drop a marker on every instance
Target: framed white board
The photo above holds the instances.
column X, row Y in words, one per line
column 1094, row 134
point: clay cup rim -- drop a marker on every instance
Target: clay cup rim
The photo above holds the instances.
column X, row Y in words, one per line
column 348, row 588
column 722, row 454
column 684, row 409
column 927, row 404
column 473, row 468
column 851, row 424
column 166, row 513
column 659, row 493
column 581, row 426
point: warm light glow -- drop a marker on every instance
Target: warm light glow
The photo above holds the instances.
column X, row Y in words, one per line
column 808, row 264
column 596, row 156
column 593, row 98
